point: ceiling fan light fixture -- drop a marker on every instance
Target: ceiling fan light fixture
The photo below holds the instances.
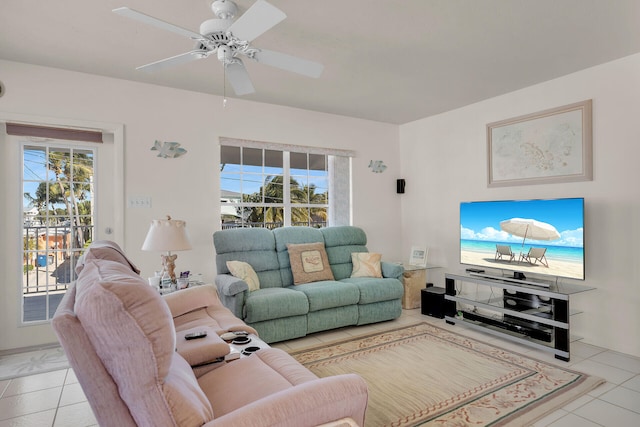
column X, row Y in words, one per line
column 225, row 55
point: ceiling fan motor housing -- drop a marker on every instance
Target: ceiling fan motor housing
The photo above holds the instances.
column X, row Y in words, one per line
column 215, row 32
column 214, row 26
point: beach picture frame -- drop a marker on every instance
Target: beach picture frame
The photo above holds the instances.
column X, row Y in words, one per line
column 549, row 146
column 418, row 256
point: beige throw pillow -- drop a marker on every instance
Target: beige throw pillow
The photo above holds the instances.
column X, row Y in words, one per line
column 245, row 272
column 366, row 264
column 309, row 263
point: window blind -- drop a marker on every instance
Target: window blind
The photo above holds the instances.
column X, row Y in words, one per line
column 67, row 134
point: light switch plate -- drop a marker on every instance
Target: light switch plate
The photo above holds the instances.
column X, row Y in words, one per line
column 139, row 202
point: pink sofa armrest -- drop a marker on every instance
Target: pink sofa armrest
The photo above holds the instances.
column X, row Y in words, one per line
column 186, row 300
column 201, row 351
column 188, row 304
column 308, row 404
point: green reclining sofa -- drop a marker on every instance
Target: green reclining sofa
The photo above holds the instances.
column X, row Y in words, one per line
column 280, row 310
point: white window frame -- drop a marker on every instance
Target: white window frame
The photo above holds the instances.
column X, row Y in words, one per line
column 50, row 285
column 338, row 175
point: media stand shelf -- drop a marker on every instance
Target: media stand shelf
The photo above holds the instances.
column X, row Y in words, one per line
column 523, row 312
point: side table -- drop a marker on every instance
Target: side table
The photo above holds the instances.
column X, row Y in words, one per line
column 414, row 279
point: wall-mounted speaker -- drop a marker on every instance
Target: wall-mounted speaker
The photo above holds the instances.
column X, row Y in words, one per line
column 400, row 186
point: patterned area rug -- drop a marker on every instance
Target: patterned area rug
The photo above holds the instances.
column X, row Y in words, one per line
column 32, row 362
column 422, row 375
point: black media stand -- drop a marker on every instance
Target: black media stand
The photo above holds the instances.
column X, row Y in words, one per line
column 523, row 312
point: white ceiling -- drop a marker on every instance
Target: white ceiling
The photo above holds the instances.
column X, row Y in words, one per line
column 388, row 61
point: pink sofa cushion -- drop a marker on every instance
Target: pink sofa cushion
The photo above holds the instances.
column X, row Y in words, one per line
column 187, row 402
column 107, row 250
column 131, row 328
column 270, row 371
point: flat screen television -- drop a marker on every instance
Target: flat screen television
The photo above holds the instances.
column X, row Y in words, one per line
column 542, row 237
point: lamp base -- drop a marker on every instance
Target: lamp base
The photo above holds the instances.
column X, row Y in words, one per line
column 169, row 265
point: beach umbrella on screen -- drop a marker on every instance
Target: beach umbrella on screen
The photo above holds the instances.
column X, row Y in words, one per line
column 529, row 229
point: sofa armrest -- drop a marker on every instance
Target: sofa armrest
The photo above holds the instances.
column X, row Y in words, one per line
column 308, row 404
column 229, row 285
column 190, row 299
column 201, row 351
column 232, row 291
column 186, row 305
column 392, row 270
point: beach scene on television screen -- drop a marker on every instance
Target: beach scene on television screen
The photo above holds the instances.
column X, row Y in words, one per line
column 536, row 236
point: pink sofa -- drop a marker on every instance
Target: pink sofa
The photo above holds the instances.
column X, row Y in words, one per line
column 126, row 343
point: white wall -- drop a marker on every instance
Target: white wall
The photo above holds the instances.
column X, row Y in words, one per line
column 444, row 161
column 187, row 187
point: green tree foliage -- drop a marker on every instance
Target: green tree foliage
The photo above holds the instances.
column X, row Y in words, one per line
column 70, row 187
column 273, row 191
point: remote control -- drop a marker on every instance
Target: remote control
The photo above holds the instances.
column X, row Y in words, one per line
column 195, row 335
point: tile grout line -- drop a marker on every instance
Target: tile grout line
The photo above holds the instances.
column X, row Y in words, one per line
column 64, row 384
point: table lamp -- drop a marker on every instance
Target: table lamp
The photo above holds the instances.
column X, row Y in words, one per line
column 167, row 235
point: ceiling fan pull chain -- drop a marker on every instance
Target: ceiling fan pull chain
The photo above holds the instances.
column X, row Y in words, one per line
column 224, row 85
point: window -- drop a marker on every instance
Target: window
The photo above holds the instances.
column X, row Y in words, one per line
column 269, row 185
column 58, row 221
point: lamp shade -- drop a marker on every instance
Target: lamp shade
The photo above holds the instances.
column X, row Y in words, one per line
column 167, row 235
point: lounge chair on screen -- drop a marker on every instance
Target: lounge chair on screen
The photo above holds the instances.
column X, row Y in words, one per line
column 504, row 252
column 535, row 255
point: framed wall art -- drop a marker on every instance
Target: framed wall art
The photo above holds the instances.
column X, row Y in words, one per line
column 550, row 146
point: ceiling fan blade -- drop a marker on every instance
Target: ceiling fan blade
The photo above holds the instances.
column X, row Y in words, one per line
column 174, row 60
column 289, row 63
column 150, row 20
column 258, row 19
column 238, row 76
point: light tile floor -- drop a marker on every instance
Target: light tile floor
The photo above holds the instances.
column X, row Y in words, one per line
column 56, row 399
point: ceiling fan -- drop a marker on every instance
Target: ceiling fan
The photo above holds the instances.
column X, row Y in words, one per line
column 229, row 39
